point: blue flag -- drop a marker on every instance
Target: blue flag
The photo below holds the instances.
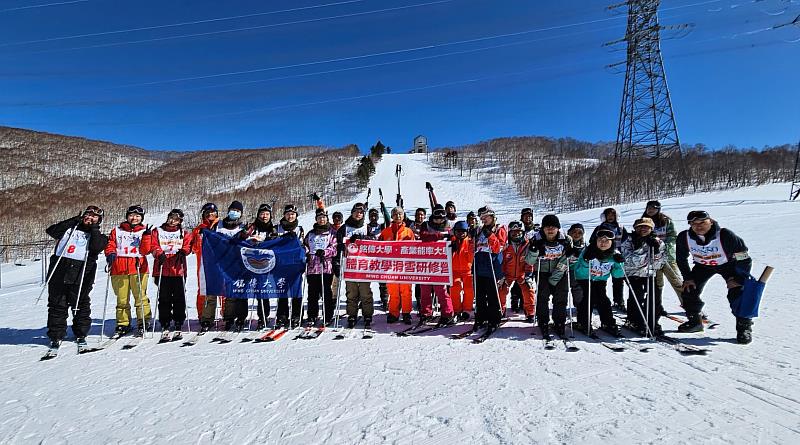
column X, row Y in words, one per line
column 238, row 269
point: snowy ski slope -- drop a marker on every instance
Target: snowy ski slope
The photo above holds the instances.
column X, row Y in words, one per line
column 430, row 388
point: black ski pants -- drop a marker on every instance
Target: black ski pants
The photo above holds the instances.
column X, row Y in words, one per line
column 487, row 301
column 701, row 274
column 637, row 296
column 283, row 307
column 171, row 301
column 235, row 311
column 62, row 297
column 617, row 287
column 600, row 301
column 559, row 292
column 319, row 286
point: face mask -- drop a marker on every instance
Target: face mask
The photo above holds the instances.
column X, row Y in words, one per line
column 234, row 214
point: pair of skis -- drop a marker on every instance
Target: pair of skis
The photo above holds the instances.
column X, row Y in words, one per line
column 310, row 333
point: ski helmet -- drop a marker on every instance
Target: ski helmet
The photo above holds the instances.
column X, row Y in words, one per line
column 177, row 212
column 515, row 225
column 461, row 226
column 94, row 210
column 209, row 207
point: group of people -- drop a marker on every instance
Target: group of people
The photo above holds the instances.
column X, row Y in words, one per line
column 539, row 265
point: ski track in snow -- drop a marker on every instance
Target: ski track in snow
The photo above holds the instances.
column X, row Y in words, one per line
column 426, row 389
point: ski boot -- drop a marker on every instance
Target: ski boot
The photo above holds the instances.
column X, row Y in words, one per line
column 81, row 342
column 390, row 319
column 282, row 322
column 260, row 325
column 612, row 329
column 694, row 323
column 121, row 331
column 55, row 344
column 367, row 322
column 530, row 319
column 295, row 322
column 744, row 330
column 446, row 321
column 464, row 316
column 351, row 323
column 407, row 319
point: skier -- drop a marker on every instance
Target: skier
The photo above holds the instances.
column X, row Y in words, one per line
column 609, row 220
column 289, row 226
column 234, row 310
column 714, row 250
column 399, row 294
column 528, row 223
column 463, row 254
column 358, row 293
column 450, row 211
column 594, row 266
column 435, row 229
column 472, row 223
column 337, row 218
column 321, row 245
column 125, row 251
column 261, row 229
column 419, row 219
column 515, row 270
column 549, row 251
column 374, row 229
column 665, row 231
column 206, row 304
column 72, row 270
column 489, row 242
column 169, row 271
column 578, row 244
column 644, row 254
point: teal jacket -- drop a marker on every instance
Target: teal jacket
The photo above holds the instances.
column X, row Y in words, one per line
column 602, row 268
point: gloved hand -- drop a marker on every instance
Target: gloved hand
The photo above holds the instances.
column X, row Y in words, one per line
column 688, row 285
column 162, row 258
column 320, row 253
column 354, row 237
column 618, row 257
column 110, row 258
column 731, row 283
column 315, row 196
column 148, row 229
column 180, row 255
column 429, row 186
column 652, row 242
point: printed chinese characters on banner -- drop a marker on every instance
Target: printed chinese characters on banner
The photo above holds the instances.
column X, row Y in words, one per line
column 399, row 262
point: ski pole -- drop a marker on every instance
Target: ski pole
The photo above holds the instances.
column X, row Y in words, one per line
column 58, row 260
column 105, row 304
column 80, row 287
column 538, row 272
column 158, row 294
column 141, row 300
column 496, row 290
column 338, row 291
column 186, row 311
column 570, row 301
column 638, row 307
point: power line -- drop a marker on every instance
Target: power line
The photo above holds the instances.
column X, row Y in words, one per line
column 174, row 25
column 43, row 5
column 242, row 29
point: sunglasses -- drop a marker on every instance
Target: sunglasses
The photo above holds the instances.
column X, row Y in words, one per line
column 697, row 215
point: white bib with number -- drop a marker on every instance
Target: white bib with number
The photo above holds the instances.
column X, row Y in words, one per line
column 170, row 242
column 76, row 248
column 711, row 254
column 128, row 243
column 553, row 252
column 661, row 232
column 598, row 268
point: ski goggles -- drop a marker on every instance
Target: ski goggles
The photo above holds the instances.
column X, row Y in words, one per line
column 697, row 216
column 176, row 212
column 138, row 210
column 93, row 210
column 605, row 233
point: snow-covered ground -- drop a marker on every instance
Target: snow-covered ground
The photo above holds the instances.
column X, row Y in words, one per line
column 425, row 389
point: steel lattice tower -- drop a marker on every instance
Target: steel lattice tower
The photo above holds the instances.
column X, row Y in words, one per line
column 646, row 121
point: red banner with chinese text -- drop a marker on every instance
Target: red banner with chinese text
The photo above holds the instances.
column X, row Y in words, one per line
column 407, row 262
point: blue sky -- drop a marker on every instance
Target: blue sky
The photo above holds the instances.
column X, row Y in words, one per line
column 333, row 72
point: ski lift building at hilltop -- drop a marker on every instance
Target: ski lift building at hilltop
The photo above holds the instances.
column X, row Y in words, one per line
column 420, row 145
